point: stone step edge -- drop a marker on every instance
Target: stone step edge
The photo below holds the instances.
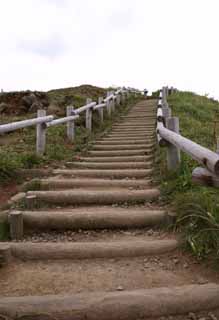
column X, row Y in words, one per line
column 125, row 305
column 93, row 220
column 89, row 250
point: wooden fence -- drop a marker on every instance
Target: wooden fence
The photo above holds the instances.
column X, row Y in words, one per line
column 168, row 135
column 43, row 122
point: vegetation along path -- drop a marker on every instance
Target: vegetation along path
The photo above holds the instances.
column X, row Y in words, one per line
column 96, row 244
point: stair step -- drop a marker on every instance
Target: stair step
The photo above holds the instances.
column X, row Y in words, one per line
column 109, row 153
column 133, row 136
column 117, row 159
column 123, row 147
column 125, row 305
column 87, row 196
column 50, row 184
column 91, row 250
column 116, row 174
column 93, row 218
column 109, row 165
column 107, row 141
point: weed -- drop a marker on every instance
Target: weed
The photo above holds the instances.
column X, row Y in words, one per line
column 197, row 207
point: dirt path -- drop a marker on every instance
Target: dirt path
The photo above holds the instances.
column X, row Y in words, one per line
column 98, row 228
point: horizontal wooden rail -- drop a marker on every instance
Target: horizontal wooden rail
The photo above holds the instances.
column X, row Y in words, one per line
column 203, row 155
column 99, row 106
column 62, row 120
column 42, row 122
column 84, row 108
column 168, row 135
column 4, row 128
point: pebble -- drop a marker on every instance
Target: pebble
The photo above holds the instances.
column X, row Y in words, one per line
column 176, row 261
column 212, row 316
column 150, row 232
column 192, row 316
column 119, row 288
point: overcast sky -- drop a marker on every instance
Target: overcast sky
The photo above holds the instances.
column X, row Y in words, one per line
column 143, row 43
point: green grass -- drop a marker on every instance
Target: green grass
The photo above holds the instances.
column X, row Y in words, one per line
column 17, row 149
column 197, row 207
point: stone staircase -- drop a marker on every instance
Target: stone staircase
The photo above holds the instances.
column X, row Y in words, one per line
column 89, row 250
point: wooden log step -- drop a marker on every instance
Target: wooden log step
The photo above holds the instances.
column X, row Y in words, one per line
column 118, row 159
column 123, row 147
column 91, row 250
column 109, row 165
column 132, row 135
column 109, row 153
column 88, row 196
column 51, row 184
column 92, row 218
column 111, row 140
column 148, row 131
column 116, row 173
column 108, row 141
column 123, row 305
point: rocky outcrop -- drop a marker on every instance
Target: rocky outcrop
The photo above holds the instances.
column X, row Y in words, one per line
column 16, row 103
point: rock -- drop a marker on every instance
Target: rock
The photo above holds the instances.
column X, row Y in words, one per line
column 28, row 100
column 120, row 288
column 176, row 261
column 3, row 106
column 212, row 316
column 35, row 106
column 192, row 316
column 202, row 281
column 150, row 232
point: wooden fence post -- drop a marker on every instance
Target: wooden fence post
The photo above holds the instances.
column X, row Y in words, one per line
column 108, row 104
column 100, row 111
column 173, row 153
column 123, row 97
column 167, row 113
column 112, row 104
column 41, row 134
column 118, row 99
column 89, row 116
column 16, row 225
column 70, row 124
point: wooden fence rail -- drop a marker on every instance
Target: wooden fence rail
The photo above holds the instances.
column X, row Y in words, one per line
column 43, row 122
column 168, row 135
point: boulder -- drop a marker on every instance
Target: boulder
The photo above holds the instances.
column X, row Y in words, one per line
column 3, row 107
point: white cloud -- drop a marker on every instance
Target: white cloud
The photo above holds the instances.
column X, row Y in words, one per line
column 145, row 43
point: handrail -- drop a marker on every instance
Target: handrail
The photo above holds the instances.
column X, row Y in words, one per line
column 84, row 108
column 4, row 128
column 62, row 120
column 168, row 136
column 43, row 121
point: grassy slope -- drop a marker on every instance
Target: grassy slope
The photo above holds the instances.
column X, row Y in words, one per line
column 17, row 149
column 197, row 207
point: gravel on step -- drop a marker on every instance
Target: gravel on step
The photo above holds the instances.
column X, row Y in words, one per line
column 92, row 235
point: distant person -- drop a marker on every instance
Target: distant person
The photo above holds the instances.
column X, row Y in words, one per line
column 145, row 93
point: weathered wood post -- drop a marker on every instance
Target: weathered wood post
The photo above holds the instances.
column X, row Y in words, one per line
column 108, row 104
column 89, row 116
column 173, row 153
column 100, row 111
column 41, row 134
column 70, row 124
column 118, row 99
column 16, row 225
column 123, row 97
column 112, row 103
column 167, row 113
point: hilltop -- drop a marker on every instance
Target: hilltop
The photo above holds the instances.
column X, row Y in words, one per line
column 27, row 102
